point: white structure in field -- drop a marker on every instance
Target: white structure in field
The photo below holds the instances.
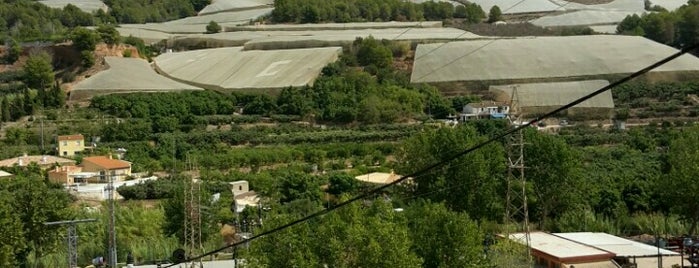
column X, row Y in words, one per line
column 485, row 109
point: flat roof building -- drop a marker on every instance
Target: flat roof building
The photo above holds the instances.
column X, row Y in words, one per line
column 553, row 251
column 626, row 251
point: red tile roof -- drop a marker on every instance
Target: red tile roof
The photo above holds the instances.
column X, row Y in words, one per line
column 71, row 137
column 106, row 162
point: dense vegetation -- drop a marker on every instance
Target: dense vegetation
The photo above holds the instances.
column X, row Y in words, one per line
column 314, row 11
column 362, row 87
column 27, row 20
column 677, row 28
column 300, row 151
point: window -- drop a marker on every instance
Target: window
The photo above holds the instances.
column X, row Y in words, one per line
column 77, row 143
column 65, row 153
column 65, row 143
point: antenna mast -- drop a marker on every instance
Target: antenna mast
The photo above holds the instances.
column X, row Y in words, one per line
column 516, row 198
column 72, row 239
column 192, row 215
column 112, row 249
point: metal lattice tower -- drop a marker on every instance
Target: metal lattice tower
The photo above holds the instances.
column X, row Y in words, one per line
column 72, row 239
column 112, row 244
column 516, row 211
column 192, row 217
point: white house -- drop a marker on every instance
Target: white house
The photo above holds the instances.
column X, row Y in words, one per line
column 485, row 109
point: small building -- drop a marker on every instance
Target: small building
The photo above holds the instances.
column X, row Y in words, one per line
column 628, row 252
column 242, row 196
column 105, row 167
column 69, row 145
column 379, row 177
column 62, row 175
column 485, row 110
column 44, row 161
column 552, row 251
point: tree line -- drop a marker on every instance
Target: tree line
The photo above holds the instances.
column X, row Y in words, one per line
column 363, row 86
column 315, row 11
column 26, row 20
column 678, row 28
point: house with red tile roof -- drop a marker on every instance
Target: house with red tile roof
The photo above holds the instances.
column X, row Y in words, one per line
column 106, row 166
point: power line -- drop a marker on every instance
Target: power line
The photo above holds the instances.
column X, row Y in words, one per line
column 455, row 156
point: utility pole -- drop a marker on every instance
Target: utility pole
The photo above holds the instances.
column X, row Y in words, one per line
column 71, row 238
column 192, row 217
column 516, row 197
column 112, row 254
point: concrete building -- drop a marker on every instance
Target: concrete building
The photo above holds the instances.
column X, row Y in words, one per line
column 105, row 166
column 379, row 177
column 69, row 145
column 44, row 161
column 484, row 110
column 242, row 196
column 552, row 251
column 63, row 175
column 628, row 252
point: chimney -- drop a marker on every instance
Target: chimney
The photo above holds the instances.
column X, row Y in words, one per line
column 43, row 159
column 110, row 155
column 20, row 161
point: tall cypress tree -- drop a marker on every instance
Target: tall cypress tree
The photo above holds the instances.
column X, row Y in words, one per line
column 18, row 110
column 28, row 102
column 6, row 116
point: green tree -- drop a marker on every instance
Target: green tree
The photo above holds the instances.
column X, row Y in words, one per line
column 341, row 183
column 631, row 25
column 443, row 238
column 471, row 183
column 11, row 231
column 109, row 34
column 680, row 185
column 174, row 211
column 36, row 203
column 372, row 52
column 17, row 110
column 460, row 12
column 13, row 52
column 165, row 124
column 72, row 16
column 474, row 13
column 688, row 25
column 354, row 236
column 38, row 71
column 213, row 27
column 84, row 39
column 295, row 101
column 659, row 27
column 57, row 97
column 495, row 14
column 295, row 185
column 6, row 115
column 28, row 102
column 87, row 58
column 553, row 169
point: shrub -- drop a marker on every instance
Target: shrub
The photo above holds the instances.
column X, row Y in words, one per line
column 213, row 27
column 88, row 59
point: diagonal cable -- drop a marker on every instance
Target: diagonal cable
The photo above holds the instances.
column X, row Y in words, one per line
column 455, row 156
